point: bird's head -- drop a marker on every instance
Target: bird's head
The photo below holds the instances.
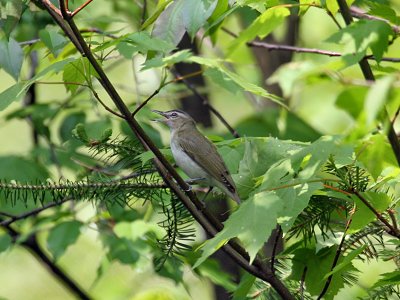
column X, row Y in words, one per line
column 174, row 118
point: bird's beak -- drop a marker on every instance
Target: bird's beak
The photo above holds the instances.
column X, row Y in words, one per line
column 160, row 113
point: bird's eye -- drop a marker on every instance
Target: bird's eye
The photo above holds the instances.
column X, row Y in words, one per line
column 174, row 115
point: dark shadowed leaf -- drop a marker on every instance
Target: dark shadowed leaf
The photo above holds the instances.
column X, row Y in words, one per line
column 62, row 236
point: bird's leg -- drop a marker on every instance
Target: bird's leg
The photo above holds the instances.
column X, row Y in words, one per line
column 195, row 180
column 205, row 196
column 192, row 181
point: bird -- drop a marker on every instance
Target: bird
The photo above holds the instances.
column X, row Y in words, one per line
column 196, row 155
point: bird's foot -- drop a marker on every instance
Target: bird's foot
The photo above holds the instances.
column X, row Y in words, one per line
column 195, row 180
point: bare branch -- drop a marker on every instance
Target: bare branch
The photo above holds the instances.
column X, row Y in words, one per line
column 31, row 213
column 337, row 255
column 279, row 47
column 76, row 11
column 391, row 229
column 361, row 14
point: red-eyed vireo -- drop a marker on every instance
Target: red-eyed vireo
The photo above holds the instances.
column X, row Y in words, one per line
column 195, row 154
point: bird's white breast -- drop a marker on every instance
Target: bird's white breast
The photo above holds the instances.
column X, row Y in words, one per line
column 192, row 169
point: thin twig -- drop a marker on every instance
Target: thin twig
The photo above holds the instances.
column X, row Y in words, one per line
column 360, row 14
column 279, row 47
column 274, row 249
column 76, row 11
column 105, row 106
column 32, row 212
column 364, row 65
column 396, row 114
column 157, row 91
column 392, row 216
column 144, row 103
column 391, row 228
column 337, row 255
column 303, row 279
column 206, row 103
column 5, row 214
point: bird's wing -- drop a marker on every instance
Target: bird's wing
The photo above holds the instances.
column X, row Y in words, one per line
column 203, row 156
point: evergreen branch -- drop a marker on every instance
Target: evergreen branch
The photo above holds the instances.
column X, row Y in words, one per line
column 111, row 190
column 383, row 292
column 178, row 225
column 362, row 237
column 317, row 213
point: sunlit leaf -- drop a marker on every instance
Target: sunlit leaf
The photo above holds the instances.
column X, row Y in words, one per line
column 360, row 36
column 261, row 27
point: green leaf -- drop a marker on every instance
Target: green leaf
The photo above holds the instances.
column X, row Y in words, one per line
column 377, row 97
column 212, row 270
column 332, row 6
column 53, row 40
column 11, row 57
column 240, row 81
column 259, row 155
column 13, row 93
column 158, row 62
column 317, row 264
column 5, row 242
column 159, row 9
column 78, row 72
column 360, row 36
column 62, row 236
column 144, row 42
column 363, row 215
column 246, row 282
column 376, row 154
column 221, row 8
column 390, row 278
column 220, row 78
column 137, row 230
column 383, row 11
column 346, row 261
column 10, row 13
column 352, row 100
column 21, row 169
column 181, row 16
column 261, row 27
column 122, row 249
column 248, row 223
column 69, row 123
